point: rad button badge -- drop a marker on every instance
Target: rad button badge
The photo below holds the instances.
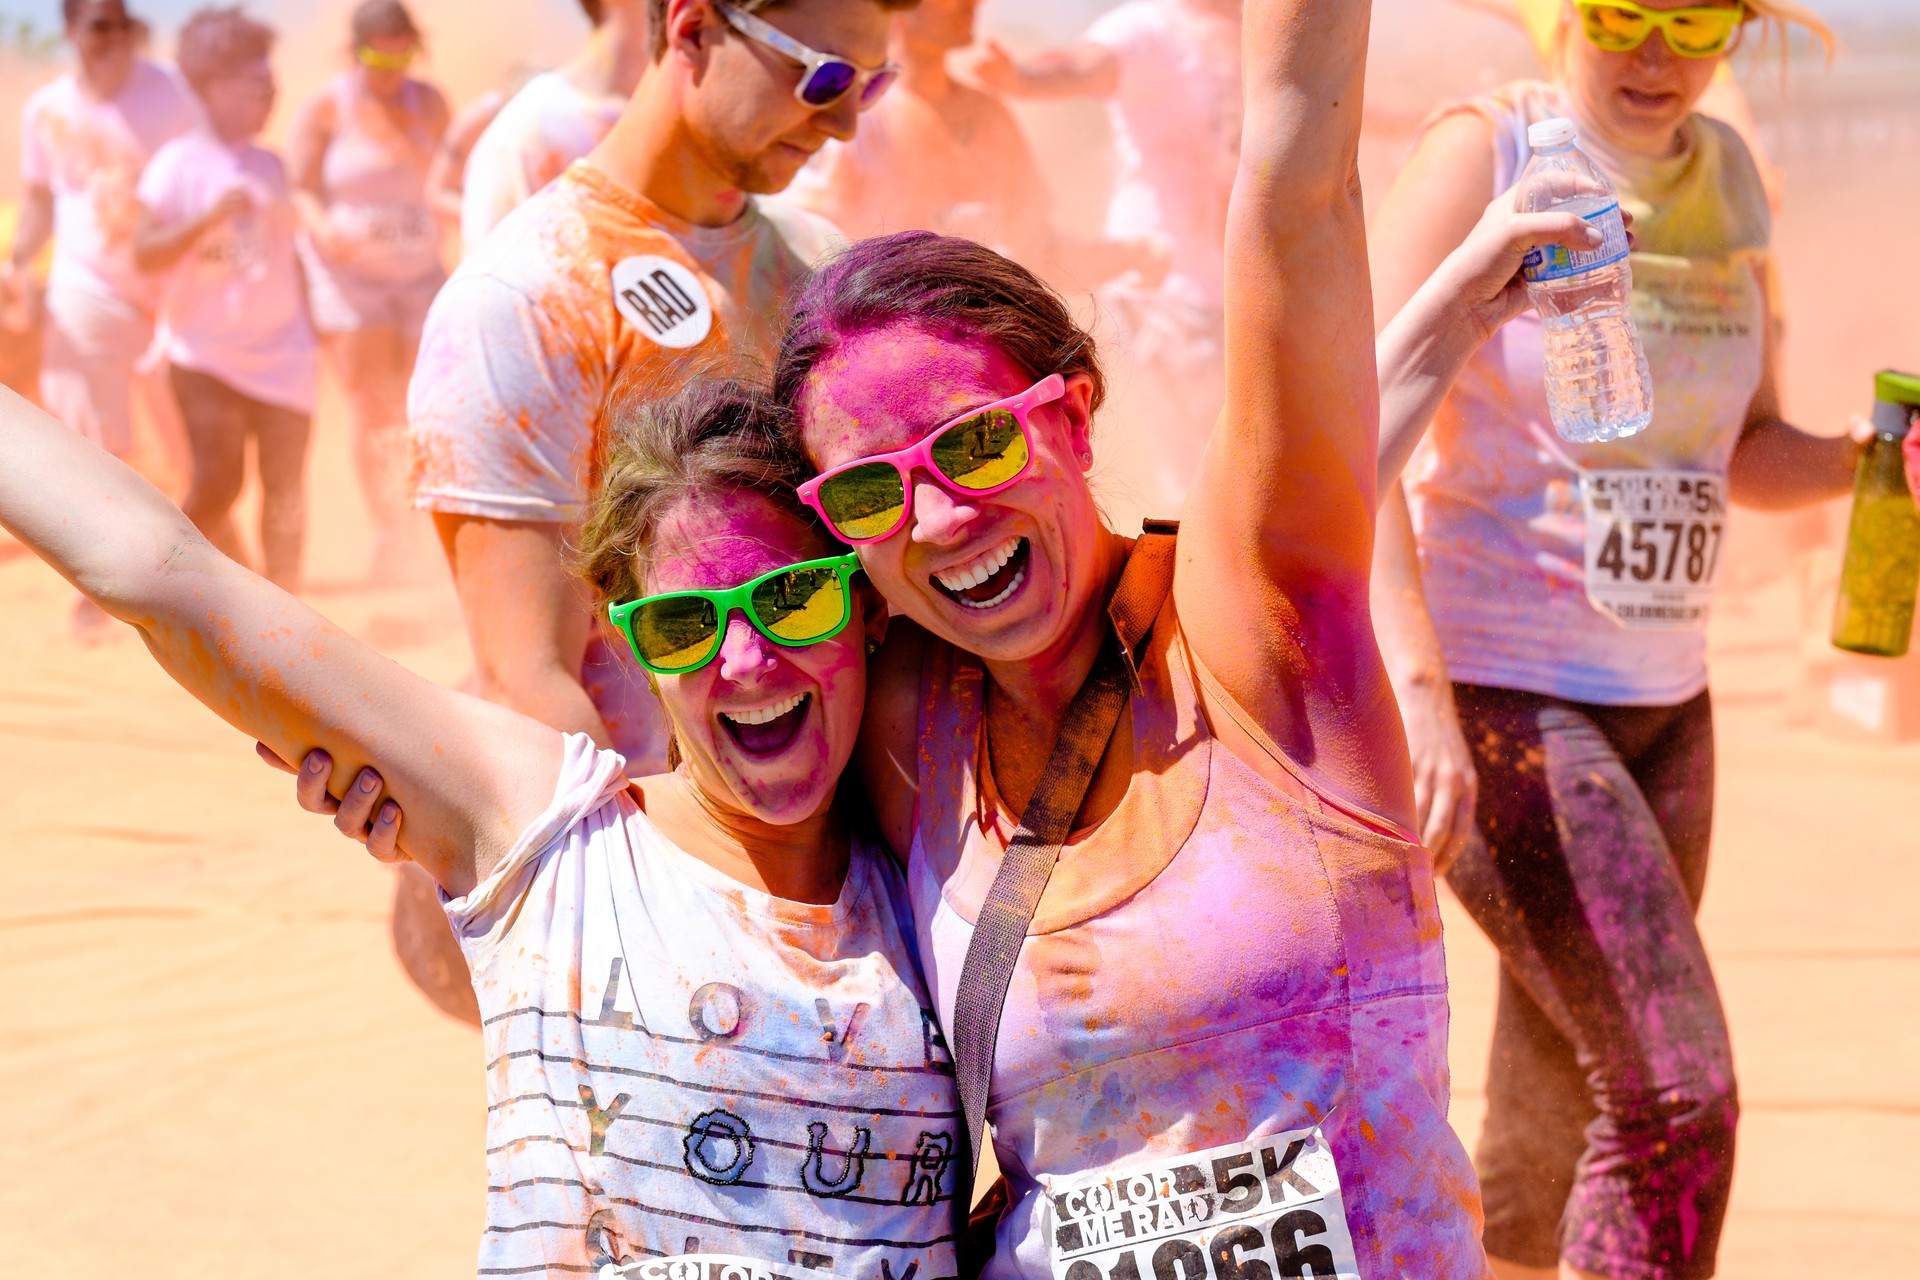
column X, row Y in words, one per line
column 663, row 300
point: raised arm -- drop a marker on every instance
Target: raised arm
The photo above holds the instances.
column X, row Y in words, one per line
column 1278, row 533
column 469, row 775
column 1084, row 70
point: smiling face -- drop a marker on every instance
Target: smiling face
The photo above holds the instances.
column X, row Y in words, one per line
column 385, row 81
column 763, row 729
column 1640, row 97
column 102, row 35
column 1009, row 576
column 741, row 110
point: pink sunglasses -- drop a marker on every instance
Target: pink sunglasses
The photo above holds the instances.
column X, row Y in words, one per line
column 980, row 452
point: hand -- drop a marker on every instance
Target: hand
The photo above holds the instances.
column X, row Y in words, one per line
column 1446, row 786
column 993, row 69
column 356, row 816
column 1482, row 277
column 233, row 202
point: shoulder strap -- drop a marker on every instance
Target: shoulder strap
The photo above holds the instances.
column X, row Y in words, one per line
column 1007, row 912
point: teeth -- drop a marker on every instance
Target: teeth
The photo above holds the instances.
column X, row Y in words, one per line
column 978, row 571
column 1008, row 590
column 765, row 714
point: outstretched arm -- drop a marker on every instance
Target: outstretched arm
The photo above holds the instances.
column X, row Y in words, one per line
column 470, row 775
column 1282, row 504
column 1084, row 70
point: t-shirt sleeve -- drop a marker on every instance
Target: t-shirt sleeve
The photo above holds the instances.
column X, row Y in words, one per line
column 495, row 181
column 501, row 409
column 160, row 187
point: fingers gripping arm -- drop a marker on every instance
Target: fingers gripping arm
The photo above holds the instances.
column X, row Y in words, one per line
column 469, row 775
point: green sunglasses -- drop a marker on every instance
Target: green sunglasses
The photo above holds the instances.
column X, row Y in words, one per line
column 799, row 605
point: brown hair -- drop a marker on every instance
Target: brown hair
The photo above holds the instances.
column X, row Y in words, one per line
column 657, row 16
column 715, row 434
column 216, row 41
column 377, row 18
column 943, row 284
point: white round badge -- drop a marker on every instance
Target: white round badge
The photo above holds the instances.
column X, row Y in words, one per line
column 663, row 300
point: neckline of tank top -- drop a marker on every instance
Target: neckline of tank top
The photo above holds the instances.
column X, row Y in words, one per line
column 1640, row 177
column 744, row 897
column 605, row 187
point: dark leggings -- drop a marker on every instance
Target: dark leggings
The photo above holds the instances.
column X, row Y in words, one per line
column 219, row 421
column 1610, row 1095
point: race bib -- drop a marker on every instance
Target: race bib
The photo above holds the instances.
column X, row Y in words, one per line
column 663, row 300
column 1653, row 545
column 1557, row 262
column 1269, row 1207
column 706, row 1266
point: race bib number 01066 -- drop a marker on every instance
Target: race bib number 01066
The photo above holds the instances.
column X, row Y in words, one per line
column 1268, row 1209
column 1653, row 545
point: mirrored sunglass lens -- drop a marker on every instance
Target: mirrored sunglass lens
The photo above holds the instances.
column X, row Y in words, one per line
column 677, row 632
column 864, row 501
column 826, row 82
column 986, row 450
column 881, row 82
column 1611, row 28
column 800, row 604
column 1701, row 33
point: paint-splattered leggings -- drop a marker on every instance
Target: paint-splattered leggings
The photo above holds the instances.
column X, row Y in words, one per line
column 1610, row 1097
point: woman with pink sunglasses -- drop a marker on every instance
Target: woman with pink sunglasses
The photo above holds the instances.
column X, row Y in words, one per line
column 1236, row 957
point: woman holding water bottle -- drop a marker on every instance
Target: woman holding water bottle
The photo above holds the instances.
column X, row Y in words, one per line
column 1569, row 583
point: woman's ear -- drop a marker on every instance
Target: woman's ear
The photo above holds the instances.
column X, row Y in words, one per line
column 873, row 615
column 1076, row 406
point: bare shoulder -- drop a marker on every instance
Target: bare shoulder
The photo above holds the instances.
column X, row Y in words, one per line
column 888, row 753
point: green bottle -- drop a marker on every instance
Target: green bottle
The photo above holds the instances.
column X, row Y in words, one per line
column 1874, row 613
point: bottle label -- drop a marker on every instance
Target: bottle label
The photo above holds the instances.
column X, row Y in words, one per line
column 1653, row 545
column 1557, row 262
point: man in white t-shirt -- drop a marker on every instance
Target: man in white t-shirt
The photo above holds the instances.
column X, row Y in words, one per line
column 86, row 138
column 555, row 118
column 1169, row 71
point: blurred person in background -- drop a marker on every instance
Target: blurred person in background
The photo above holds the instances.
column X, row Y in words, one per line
column 1608, row 1144
column 360, row 149
column 650, row 260
column 555, row 118
column 939, row 155
column 1169, row 71
column 217, row 220
column 85, row 139
column 447, row 175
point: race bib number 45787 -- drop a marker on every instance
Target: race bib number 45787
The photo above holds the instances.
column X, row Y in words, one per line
column 1653, row 545
column 1266, row 1209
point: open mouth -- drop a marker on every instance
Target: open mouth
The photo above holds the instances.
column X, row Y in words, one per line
column 768, row 730
column 1647, row 101
column 990, row 578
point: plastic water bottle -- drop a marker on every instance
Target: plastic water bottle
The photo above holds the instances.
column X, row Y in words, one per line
column 1874, row 610
column 1598, row 386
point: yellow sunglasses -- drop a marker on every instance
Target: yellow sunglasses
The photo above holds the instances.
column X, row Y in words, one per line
column 374, row 60
column 1620, row 26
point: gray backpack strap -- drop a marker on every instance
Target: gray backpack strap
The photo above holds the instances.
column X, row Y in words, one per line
column 1007, row 913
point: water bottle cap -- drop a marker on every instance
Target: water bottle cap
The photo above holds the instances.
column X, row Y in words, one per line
column 1547, row 135
column 1894, row 387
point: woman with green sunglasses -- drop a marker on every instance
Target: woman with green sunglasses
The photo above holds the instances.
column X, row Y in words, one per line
column 1576, row 647
column 705, row 1026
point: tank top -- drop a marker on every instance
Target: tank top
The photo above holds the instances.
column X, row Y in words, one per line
column 376, row 187
column 1504, row 508
column 1220, row 960
column 679, row 1064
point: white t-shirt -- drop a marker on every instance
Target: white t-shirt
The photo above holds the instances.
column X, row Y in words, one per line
column 543, row 128
column 679, row 1064
column 233, row 308
column 1176, row 129
column 89, row 153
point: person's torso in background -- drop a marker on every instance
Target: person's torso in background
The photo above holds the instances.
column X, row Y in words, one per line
column 677, row 1063
column 584, row 292
column 1176, row 128
column 374, row 180
column 541, row 130
column 234, row 306
column 1496, row 493
column 90, row 154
